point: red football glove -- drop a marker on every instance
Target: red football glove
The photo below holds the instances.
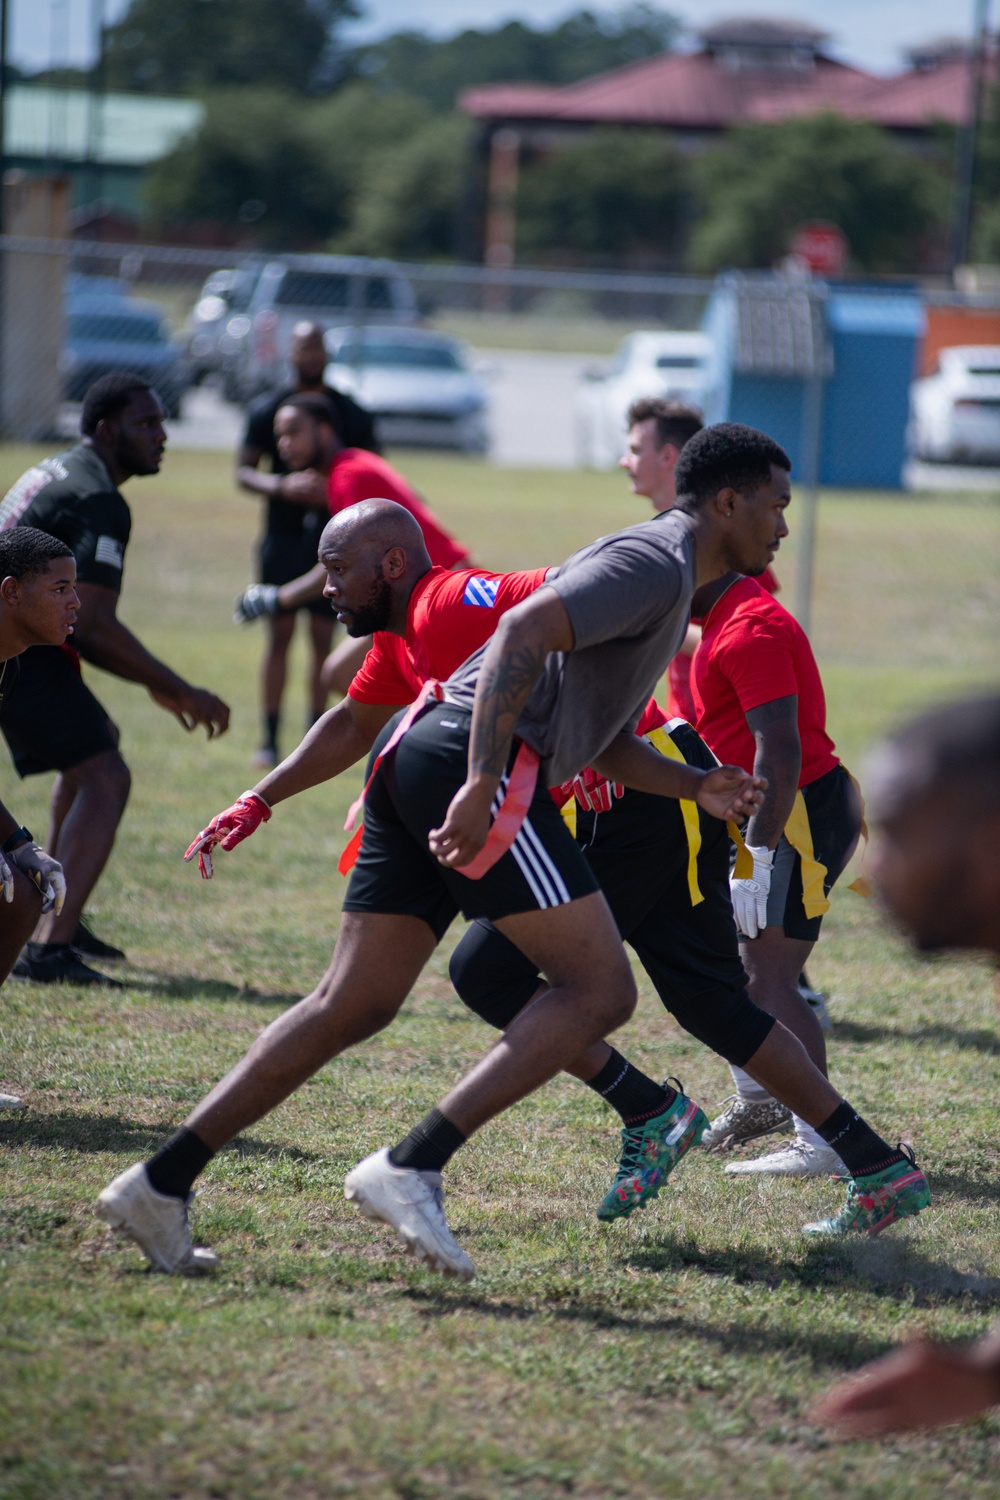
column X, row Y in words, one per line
column 595, row 792
column 228, row 828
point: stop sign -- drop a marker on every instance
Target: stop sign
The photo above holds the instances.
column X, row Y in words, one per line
column 820, row 246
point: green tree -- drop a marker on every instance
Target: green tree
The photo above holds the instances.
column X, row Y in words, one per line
column 612, row 195
column 762, row 181
column 187, row 46
column 256, row 165
column 407, row 200
column 586, row 42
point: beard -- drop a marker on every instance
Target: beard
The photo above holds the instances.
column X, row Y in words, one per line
column 374, row 614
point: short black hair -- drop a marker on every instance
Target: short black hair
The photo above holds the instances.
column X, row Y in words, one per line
column 314, row 405
column 108, row 397
column 25, row 552
column 956, row 745
column 676, row 422
column 727, row 455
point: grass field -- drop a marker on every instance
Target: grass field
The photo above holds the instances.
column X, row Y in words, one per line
column 671, row 1356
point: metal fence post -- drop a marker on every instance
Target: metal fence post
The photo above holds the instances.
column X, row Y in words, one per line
column 812, row 456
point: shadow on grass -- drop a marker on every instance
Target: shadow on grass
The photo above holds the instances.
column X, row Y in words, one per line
column 973, row 1189
column 934, row 1035
column 191, row 987
column 110, row 1133
column 837, row 1350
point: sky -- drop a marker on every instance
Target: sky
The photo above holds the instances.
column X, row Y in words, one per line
column 871, row 34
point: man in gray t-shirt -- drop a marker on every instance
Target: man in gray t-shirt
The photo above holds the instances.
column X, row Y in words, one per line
column 457, row 819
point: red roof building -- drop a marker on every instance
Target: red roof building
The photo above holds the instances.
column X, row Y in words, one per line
column 746, row 71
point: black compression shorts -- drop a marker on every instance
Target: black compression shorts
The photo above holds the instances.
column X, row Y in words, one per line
column 282, row 558
column 53, row 721
column 410, row 794
column 639, row 853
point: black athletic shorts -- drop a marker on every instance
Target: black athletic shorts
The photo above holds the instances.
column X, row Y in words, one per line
column 410, row 795
column 53, row 721
column 639, row 853
column 834, row 810
column 282, row 558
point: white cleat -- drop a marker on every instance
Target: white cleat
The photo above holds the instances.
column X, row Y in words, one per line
column 12, row 1102
column 156, row 1222
column 798, row 1159
column 413, row 1203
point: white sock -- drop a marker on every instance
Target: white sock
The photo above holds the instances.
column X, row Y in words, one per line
column 808, row 1136
column 748, row 1088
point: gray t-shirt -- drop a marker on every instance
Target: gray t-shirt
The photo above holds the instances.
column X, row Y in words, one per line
column 628, row 597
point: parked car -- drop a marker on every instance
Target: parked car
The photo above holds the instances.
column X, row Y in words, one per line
column 225, row 294
column 325, row 289
column 106, row 332
column 955, row 411
column 421, row 387
column 647, row 363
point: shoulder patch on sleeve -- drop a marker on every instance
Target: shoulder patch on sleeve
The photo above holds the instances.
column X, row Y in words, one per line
column 109, row 551
column 481, row 592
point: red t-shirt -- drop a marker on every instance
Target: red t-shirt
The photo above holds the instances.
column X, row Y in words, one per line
column 680, row 700
column 356, row 474
column 753, row 651
column 450, row 615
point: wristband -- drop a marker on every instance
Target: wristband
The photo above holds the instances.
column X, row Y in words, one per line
column 18, row 837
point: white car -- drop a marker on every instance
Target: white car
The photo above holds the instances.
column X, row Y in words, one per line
column 421, row 387
column 644, row 364
column 955, row 411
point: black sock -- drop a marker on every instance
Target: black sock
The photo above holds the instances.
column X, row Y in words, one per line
column 859, row 1147
column 176, row 1165
column 629, row 1091
column 271, row 723
column 429, row 1145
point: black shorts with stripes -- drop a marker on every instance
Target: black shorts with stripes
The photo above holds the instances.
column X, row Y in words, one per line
column 410, row 794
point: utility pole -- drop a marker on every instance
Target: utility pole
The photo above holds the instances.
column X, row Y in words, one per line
column 966, row 174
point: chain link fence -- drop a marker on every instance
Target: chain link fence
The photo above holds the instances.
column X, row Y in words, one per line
column 869, row 386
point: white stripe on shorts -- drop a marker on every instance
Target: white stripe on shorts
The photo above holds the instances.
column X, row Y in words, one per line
column 534, row 861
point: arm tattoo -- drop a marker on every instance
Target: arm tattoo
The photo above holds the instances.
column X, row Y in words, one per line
column 501, row 693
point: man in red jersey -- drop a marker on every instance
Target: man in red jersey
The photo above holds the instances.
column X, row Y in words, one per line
column 758, row 695
column 325, row 471
column 431, row 809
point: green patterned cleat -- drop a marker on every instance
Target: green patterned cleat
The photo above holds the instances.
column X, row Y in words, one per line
column 650, row 1151
column 878, row 1199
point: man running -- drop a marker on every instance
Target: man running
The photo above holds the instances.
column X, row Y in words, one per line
column 759, row 697
column 456, row 819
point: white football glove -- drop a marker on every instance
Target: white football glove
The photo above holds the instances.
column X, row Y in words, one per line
column 44, row 872
column 259, row 599
column 750, row 895
column 6, row 879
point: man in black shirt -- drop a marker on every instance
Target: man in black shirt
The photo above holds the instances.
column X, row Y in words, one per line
column 54, row 722
column 293, row 524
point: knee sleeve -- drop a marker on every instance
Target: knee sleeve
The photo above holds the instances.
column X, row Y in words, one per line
column 726, row 1020
column 491, row 975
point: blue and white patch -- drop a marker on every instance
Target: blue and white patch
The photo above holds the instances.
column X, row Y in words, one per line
column 482, row 592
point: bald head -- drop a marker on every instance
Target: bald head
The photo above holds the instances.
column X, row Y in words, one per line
column 374, row 553
column 935, row 801
column 307, row 354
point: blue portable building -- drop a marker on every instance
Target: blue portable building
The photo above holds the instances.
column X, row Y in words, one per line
column 786, row 352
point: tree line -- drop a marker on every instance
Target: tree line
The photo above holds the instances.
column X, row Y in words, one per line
column 307, row 142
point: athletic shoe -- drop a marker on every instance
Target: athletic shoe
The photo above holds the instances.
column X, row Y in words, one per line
column 797, row 1159
column 87, row 942
column 745, row 1120
column 156, row 1222
column 413, row 1203
column 12, row 1102
column 57, row 963
column 877, row 1199
column 265, row 759
column 816, row 1001
column 650, row 1151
